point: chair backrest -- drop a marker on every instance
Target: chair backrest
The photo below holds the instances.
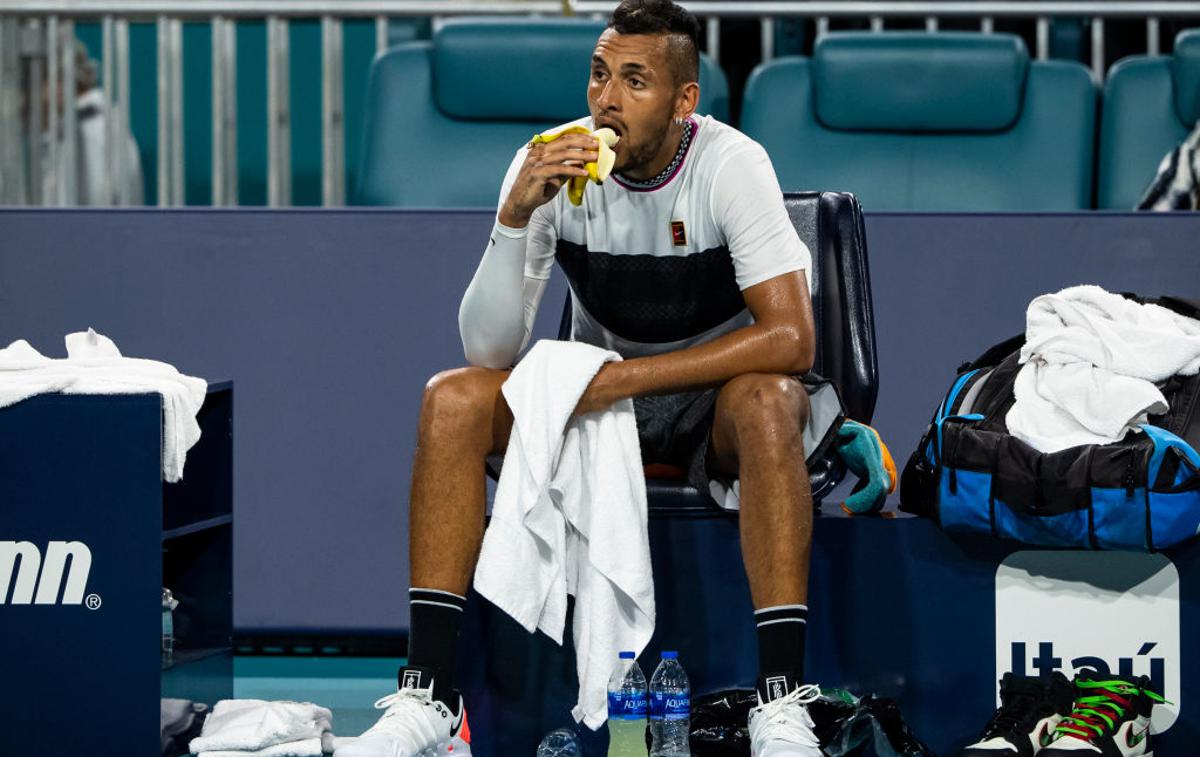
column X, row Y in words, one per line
column 1150, row 105
column 831, row 224
column 445, row 117
column 916, row 121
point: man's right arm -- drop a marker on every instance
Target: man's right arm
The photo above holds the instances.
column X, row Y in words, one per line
column 498, row 309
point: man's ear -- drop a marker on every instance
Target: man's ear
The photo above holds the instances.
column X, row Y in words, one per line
column 687, row 100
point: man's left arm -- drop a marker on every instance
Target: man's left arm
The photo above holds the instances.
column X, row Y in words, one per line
column 781, row 340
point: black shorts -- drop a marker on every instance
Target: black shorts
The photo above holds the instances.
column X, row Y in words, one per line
column 676, row 429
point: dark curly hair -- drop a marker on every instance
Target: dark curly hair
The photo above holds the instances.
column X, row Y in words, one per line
column 664, row 17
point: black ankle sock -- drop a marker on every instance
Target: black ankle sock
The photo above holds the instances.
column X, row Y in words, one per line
column 781, row 639
column 433, row 637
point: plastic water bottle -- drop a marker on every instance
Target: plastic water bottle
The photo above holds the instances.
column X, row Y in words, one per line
column 560, row 743
column 670, row 709
column 627, row 709
column 169, row 603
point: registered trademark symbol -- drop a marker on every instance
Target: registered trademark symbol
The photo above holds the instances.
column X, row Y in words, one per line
column 92, row 601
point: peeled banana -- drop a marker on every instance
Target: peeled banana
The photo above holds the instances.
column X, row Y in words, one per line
column 598, row 171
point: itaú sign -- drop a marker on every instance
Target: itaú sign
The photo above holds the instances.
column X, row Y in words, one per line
column 58, row 577
column 1092, row 613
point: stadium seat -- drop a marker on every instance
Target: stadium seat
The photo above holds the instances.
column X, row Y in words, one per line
column 1150, row 105
column 445, row 117
column 928, row 122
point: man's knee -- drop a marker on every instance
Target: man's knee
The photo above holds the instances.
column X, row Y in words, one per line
column 765, row 406
column 460, row 398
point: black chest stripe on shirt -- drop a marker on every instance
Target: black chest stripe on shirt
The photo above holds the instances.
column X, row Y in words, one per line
column 651, row 298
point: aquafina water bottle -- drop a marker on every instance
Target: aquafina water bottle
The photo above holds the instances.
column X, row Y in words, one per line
column 627, row 709
column 670, row 708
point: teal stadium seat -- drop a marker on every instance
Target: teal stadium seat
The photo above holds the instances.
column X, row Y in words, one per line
column 445, row 117
column 928, row 122
column 1150, row 105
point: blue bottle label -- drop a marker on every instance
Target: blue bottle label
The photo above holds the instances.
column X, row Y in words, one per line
column 626, row 706
column 664, row 706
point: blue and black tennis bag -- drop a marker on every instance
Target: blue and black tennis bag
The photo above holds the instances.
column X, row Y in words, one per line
column 971, row 475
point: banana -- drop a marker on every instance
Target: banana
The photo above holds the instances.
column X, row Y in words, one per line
column 597, row 171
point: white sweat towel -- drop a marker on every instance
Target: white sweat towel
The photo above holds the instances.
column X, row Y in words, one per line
column 1090, row 362
column 570, row 518
column 94, row 365
column 270, row 729
column 302, row 748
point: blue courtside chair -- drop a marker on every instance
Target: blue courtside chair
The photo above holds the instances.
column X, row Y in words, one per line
column 928, row 122
column 1150, row 104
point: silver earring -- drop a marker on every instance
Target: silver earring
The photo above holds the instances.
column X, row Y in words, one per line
column 678, row 121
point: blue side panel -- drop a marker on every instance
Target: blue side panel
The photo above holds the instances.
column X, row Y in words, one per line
column 1164, row 440
column 1120, row 518
column 83, row 469
column 1174, row 517
column 964, row 497
column 1066, row 530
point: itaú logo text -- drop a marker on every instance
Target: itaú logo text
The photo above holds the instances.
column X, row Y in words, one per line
column 34, row 579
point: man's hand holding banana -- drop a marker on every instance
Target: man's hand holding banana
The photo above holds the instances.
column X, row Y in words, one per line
column 572, row 155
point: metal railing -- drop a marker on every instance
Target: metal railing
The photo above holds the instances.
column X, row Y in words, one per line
column 34, row 58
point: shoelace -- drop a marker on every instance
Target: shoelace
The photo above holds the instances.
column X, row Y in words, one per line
column 786, row 719
column 1095, row 712
column 405, row 719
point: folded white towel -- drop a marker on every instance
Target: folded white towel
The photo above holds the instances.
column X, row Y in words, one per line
column 302, row 748
column 94, row 365
column 1091, row 359
column 570, row 518
column 254, row 725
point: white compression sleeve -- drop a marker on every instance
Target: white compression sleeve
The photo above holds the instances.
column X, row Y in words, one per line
column 496, row 314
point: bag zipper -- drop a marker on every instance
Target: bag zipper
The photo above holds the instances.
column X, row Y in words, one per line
column 1130, row 482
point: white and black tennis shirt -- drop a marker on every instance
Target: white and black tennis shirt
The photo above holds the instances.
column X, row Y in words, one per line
column 651, row 270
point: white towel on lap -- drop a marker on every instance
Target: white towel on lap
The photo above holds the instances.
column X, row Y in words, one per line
column 1091, row 359
column 94, row 365
column 269, row 729
column 569, row 517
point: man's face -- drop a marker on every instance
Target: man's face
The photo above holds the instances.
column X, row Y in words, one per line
column 632, row 91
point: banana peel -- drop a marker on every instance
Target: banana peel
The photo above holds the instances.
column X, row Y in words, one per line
column 598, row 170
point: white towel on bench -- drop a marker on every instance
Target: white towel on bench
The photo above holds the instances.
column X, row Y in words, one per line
column 94, row 365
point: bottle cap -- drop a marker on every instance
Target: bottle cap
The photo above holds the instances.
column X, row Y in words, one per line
column 627, row 655
column 670, row 655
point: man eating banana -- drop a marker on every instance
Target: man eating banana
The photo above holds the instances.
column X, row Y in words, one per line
column 672, row 232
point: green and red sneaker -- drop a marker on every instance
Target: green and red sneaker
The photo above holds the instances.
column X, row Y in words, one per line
column 1111, row 718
